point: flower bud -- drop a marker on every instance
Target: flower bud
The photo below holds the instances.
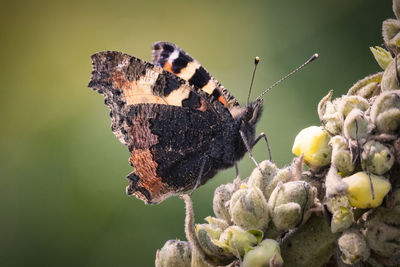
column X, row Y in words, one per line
column 334, row 184
column 356, row 125
column 384, row 240
column 341, row 156
column 261, row 180
column 382, row 56
column 376, row 158
column 349, row 102
column 282, row 176
column 222, row 195
column 197, row 260
column 385, row 112
column 248, row 208
column 267, row 253
column 237, row 240
column 367, row 87
column 389, row 78
column 174, row 253
column 360, row 194
column 313, row 143
column 396, row 8
column 391, row 33
column 353, row 246
column 382, row 232
column 342, row 214
column 288, row 202
column 217, row 223
column 208, row 237
column 328, row 115
column 342, row 219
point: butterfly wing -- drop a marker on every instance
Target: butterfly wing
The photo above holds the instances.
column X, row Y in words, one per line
column 168, row 146
column 173, row 59
column 169, row 126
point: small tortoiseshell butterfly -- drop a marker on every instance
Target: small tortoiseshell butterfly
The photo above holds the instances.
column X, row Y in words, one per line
column 180, row 124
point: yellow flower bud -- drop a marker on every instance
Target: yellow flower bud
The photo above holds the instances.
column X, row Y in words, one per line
column 359, row 193
column 313, row 143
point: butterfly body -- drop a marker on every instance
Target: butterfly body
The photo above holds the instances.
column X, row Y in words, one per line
column 179, row 123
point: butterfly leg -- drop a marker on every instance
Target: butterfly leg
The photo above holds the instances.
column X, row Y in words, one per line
column 237, row 170
column 263, row 135
column 249, row 151
column 199, row 177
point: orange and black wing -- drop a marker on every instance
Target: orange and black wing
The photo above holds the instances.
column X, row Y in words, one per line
column 173, row 59
column 169, row 126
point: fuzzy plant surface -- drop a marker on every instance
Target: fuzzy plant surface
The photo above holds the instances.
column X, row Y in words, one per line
column 343, row 211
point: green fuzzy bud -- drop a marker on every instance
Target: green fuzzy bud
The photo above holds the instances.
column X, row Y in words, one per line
column 174, row 253
column 342, row 219
column 385, row 112
column 237, row 240
column 336, row 203
column 376, row 158
column 287, row 216
column 328, row 115
column 382, row 232
column 389, row 78
column 396, row 8
column 261, row 180
column 208, row 237
column 349, row 102
column 267, row 253
column 353, row 246
column 367, row 87
column 217, row 223
column 383, row 239
column 341, row 156
column 197, row 260
column 391, row 33
column 222, row 195
column 342, row 214
column 356, row 125
column 284, row 175
column 382, row 56
column 248, row 208
column 334, row 184
column 288, row 202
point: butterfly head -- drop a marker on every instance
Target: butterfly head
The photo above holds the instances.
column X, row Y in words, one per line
column 252, row 112
column 248, row 117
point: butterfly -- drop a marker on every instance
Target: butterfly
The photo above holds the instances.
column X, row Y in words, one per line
column 180, row 124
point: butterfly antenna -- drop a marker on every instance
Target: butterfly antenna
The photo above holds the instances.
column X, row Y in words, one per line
column 256, row 60
column 312, row 58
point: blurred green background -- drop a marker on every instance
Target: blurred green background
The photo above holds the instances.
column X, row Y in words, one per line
column 62, row 186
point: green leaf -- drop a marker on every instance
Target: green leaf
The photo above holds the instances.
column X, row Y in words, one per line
column 382, row 56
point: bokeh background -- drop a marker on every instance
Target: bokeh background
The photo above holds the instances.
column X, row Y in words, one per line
column 62, row 185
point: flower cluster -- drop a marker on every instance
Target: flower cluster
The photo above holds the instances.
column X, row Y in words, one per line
column 250, row 215
column 353, row 183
